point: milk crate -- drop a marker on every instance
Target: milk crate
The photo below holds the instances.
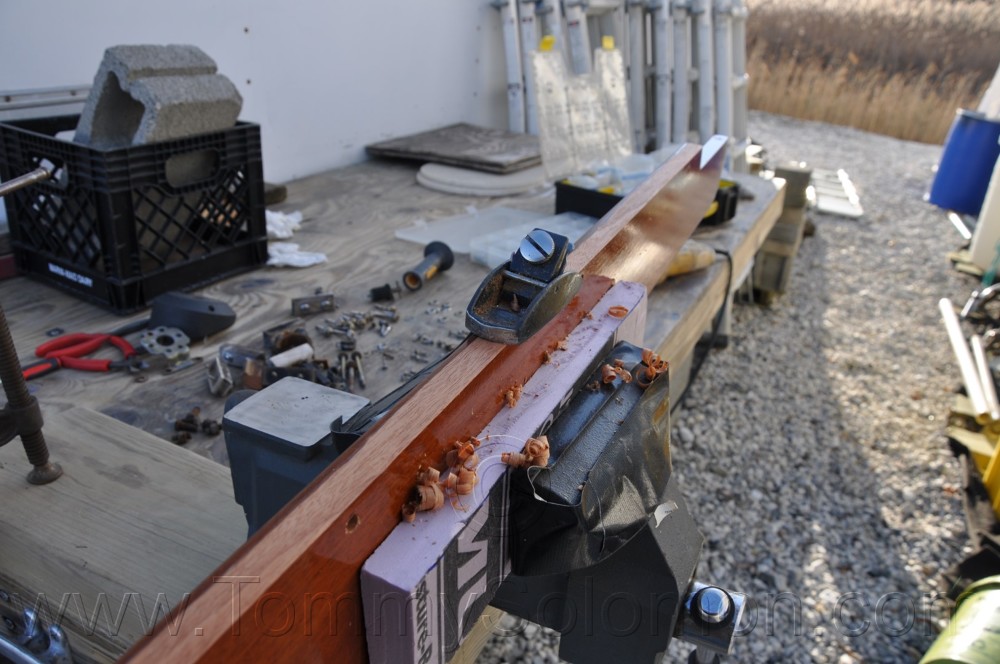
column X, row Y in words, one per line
column 118, row 227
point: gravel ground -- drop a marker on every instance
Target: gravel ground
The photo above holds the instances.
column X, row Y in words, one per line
column 811, row 450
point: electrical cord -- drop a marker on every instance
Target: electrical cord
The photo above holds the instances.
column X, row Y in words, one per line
column 716, row 324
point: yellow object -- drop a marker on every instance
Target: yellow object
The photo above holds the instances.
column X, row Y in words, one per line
column 608, row 42
column 693, row 256
column 547, row 44
column 973, row 635
column 712, row 209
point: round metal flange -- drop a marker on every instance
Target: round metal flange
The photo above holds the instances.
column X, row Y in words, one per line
column 169, row 342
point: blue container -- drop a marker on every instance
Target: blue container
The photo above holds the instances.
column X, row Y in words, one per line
column 970, row 153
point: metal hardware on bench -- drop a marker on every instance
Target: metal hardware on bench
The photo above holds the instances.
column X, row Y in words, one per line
column 312, row 304
column 220, row 379
column 169, row 342
column 21, row 416
column 437, row 258
column 26, row 639
column 518, row 298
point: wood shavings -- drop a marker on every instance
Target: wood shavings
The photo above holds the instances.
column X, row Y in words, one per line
column 535, row 453
column 512, row 395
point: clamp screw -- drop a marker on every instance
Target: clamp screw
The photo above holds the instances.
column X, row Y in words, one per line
column 537, row 246
column 712, row 605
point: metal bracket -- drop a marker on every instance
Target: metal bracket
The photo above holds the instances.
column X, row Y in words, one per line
column 26, row 639
column 312, row 304
column 518, row 298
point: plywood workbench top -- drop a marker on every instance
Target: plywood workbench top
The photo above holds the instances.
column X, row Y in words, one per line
column 137, row 514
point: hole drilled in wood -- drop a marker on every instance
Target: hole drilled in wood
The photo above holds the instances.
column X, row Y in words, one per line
column 353, row 523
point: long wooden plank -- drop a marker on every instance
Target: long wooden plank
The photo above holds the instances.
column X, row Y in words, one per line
column 291, row 593
column 680, row 311
column 110, row 577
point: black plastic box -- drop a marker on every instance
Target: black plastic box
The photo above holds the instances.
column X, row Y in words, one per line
column 593, row 203
column 119, row 227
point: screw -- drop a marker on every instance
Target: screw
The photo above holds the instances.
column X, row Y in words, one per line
column 712, row 605
column 537, row 246
column 4, row 596
column 356, row 359
column 181, row 437
column 10, row 625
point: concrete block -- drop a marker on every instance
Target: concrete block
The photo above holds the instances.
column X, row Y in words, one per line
column 147, row 93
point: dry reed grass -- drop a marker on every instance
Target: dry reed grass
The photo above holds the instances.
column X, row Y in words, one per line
column 900, row 68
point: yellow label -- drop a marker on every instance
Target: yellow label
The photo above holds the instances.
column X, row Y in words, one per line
column 547, row 44
column 608, row 42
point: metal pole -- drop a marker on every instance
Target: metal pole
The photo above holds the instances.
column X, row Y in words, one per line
column 740, row 84
column 682, row 65
column 512, row 52
column 637, row 73
column 529, row 44
column 37, row 175
column 578, row 36
column 724, row 68
column 663, row 62
column 702, row 10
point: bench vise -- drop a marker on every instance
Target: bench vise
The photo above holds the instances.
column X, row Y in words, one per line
column 600, row 544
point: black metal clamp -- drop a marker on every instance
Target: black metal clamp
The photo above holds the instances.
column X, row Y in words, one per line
column 518, row 298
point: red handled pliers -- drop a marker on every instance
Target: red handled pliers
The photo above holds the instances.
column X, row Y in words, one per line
column 70, row 351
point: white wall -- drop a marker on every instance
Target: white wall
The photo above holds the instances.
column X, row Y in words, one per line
column 321, row 77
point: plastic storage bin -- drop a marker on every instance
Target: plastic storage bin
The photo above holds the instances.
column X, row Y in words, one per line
column 119, row 227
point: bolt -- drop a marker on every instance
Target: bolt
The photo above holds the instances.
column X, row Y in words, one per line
column 712, row 605
column 356, row 360
column 537, row 246
column 10, row 624
column 437, row 258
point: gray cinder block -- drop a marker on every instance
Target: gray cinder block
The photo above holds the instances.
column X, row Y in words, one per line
column 142, row 94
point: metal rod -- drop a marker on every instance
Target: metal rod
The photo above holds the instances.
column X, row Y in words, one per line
column 985, row 377
column 20, row 400
column 22, row 181
column 966, row 365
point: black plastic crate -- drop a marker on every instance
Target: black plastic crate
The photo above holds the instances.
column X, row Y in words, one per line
column 119, row 227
